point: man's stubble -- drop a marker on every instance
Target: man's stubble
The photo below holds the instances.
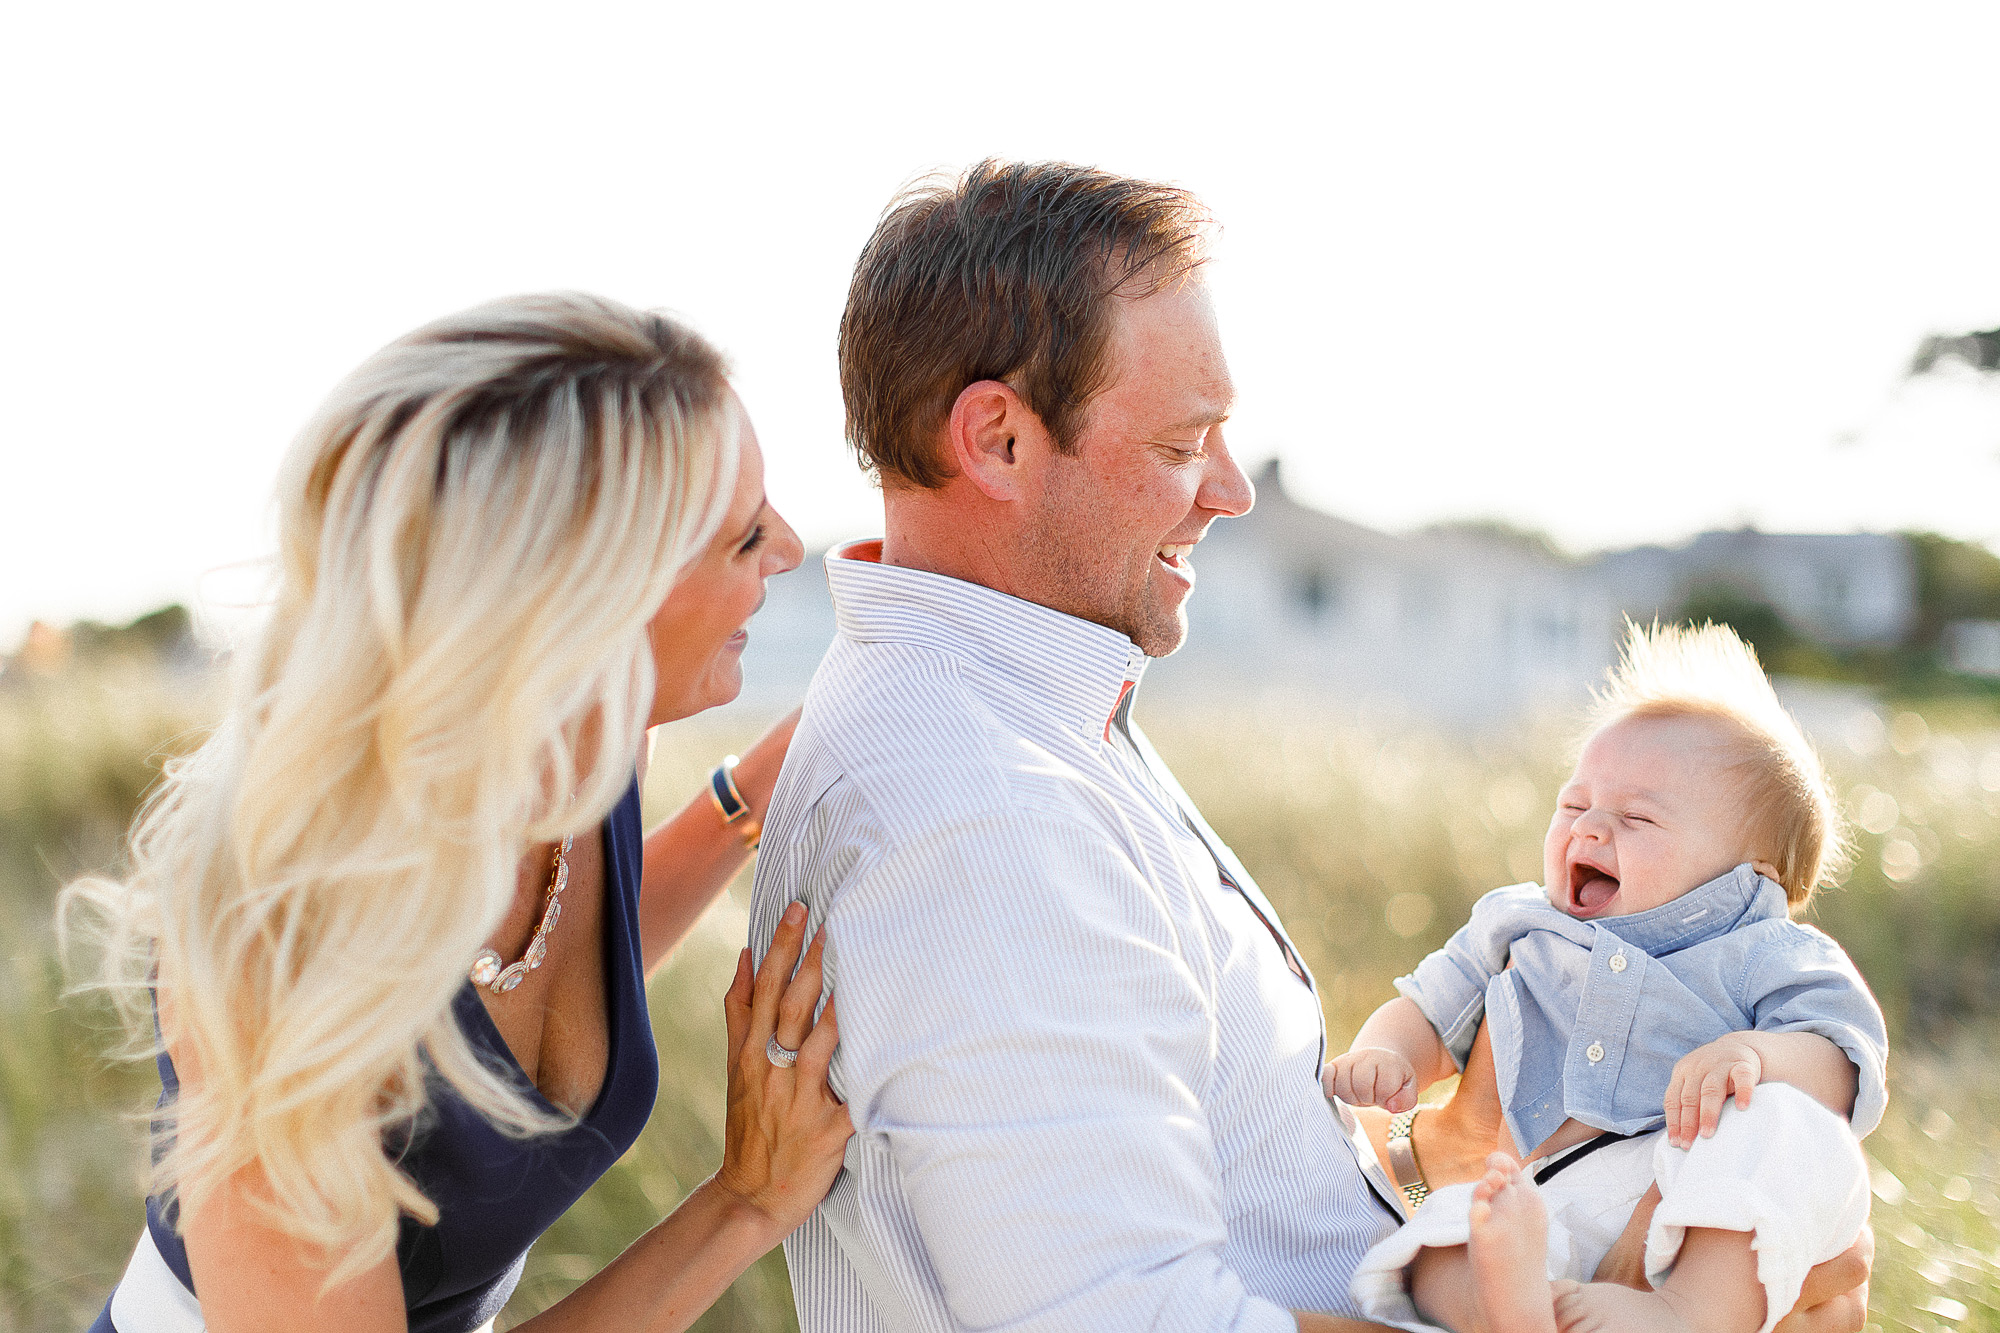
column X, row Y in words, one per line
column 1066, row 563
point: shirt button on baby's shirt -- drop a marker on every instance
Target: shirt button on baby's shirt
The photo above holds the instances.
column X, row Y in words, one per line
column 1595, row 1051
column 1617, row 963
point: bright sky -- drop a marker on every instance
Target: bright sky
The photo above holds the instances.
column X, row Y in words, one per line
column 1619, row 272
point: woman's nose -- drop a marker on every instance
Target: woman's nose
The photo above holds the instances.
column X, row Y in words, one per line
column 786, row 548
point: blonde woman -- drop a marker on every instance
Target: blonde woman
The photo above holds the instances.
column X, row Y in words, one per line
column 396, row 916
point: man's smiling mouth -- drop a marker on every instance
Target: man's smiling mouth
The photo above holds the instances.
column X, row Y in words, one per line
column 1175, row 556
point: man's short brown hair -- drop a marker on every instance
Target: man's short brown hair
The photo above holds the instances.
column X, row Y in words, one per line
column 1005, row 273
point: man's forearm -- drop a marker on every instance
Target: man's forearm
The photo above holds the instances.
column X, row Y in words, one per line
column 1311, row 1322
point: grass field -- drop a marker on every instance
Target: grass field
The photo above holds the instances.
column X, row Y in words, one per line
column 1372, row 837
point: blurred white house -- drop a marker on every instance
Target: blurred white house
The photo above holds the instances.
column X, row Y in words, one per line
column 1469, row 625
column 1972, row 647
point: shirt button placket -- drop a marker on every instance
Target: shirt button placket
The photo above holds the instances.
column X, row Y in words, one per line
column 1617, row 962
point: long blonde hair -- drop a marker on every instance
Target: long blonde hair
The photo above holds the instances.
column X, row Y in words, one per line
column 475, row 529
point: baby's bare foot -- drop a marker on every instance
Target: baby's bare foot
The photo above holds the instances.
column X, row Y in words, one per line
column 1605, row 1307
column 1509, row 1248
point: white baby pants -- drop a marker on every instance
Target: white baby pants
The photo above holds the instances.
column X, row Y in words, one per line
column 1786, row 1169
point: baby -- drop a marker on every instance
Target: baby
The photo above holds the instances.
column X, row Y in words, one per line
column 1631, row 1006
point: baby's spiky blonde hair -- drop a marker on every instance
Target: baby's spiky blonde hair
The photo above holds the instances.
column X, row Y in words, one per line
column 1790, row 815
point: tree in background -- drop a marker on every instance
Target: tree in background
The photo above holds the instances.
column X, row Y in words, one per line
column 1782, row 648
column 1981, row 351
column 1956, row 581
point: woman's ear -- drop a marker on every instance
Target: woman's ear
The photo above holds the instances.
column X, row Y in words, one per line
column 988, row 426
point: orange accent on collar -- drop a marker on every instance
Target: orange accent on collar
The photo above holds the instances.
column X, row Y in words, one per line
column 1123, row 690
column 868, row 549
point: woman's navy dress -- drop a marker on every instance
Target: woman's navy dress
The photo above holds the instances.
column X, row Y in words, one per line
column 496, row 1194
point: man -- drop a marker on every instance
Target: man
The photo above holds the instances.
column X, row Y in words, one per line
column 1081, row 1055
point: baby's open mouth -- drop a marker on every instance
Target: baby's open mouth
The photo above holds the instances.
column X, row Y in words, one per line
column 1589, row 889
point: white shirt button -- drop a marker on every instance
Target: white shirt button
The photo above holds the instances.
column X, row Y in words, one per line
column 1595, row 1051
column 1617, row 963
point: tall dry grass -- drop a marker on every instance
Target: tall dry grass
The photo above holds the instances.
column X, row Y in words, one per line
column 1371, row 834
column 76, row 753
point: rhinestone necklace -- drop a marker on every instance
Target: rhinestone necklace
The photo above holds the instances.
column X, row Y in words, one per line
column 486, row 969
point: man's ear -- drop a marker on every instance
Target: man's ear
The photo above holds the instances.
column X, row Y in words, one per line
column 988, row 427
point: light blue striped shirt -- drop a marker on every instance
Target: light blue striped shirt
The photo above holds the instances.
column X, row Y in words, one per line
column 1084, row 1080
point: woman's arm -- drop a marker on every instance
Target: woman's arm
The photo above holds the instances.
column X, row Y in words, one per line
column 254, row 1279
column 785, row 1139
column 693, row 855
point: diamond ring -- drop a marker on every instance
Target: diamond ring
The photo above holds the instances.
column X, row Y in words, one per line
column 778, row 1055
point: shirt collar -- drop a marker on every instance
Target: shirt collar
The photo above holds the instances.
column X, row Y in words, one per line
column 1736, row 898
column 1072, row 670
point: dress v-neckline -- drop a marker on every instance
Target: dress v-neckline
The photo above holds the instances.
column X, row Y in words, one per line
column 612, row 900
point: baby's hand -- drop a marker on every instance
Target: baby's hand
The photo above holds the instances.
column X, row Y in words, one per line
column 1703, row 1079
column 1372, row 1076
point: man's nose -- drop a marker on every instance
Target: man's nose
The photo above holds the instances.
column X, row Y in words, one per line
column 1224, row 487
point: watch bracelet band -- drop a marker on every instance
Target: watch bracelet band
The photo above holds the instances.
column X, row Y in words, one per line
column 729, row 802
column 1403, row 1164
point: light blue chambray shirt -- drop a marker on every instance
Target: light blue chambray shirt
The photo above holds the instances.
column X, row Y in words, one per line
column 1592, row 1017
column 1084, row 1081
